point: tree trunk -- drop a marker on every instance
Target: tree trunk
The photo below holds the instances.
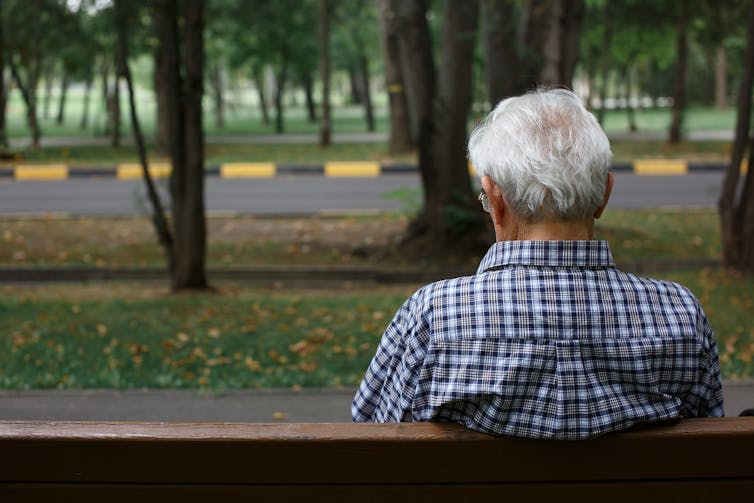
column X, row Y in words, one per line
column 114, row 104
column 104, row 82
column 49, row 75
column 3, row 89
column 280, row 80
column 367, row 95
column 85, row 107
column 501, row 62
column 560, row 29
column 551, row 46
column 28, row 94
column 607, row 35
column 324, row 68
column 417, row 67
column 400, row 136
column 450, row 208
column 311, row 108
column 679, row 86
column 159, row 219
column 629, row 107
column 216, row 80
column 721, row 77
column 161, row 90
column 60, row 119
column 736, row 203
column 190, row 226
column 262, row 99
column 357, row 95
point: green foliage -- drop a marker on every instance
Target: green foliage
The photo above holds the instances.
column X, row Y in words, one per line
column 237, row 340
column 462, row 218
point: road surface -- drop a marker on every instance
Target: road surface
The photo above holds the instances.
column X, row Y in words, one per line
column 302, row 195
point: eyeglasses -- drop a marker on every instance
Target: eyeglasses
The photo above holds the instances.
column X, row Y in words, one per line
column 485, row 201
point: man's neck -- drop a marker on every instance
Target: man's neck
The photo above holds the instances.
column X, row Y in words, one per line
column 570, row 230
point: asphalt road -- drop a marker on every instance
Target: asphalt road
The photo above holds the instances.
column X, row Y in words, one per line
column 296, row 195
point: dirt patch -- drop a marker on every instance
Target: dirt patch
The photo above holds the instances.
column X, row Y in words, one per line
column 232, row 242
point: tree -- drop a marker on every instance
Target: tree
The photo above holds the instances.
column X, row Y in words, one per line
column 159, row 220
column 28, row 38
column 679, row 86
column 186, row 139
column 441, row 106
column 736, row 203
column 324, row 55
column 714, row 26
column 3, row 89
column 280, row 35
column 354, row 40
column 499, row 29
column 182, row 49
column 530, row 43
column 400, row 133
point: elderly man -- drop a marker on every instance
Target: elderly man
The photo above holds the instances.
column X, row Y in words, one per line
column 548, row 339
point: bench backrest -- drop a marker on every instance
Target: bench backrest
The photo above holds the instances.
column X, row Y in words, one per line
column 710, row 459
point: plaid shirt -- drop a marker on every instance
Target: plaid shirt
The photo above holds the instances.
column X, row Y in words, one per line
column 547, row 340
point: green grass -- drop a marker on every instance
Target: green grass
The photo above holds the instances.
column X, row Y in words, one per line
column 636, row 235
column 134, row 336
column 623, row 151
column 728, row 303
column 215, row 154
column 658, row 120
column 86, row 337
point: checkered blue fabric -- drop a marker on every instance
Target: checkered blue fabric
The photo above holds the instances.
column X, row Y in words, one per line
column 547, row 340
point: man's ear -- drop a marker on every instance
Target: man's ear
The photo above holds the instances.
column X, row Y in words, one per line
column 495, row 197
column 608, row 191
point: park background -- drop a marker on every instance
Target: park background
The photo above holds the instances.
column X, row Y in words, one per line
column 281, row 82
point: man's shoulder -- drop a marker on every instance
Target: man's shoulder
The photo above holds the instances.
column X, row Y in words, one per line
column 661, row 286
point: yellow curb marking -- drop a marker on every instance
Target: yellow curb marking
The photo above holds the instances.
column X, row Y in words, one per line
column 336, row 169
column 472, row 171
column 41, row 172
column 130, row 171
column 248, row 170
column 744, row 167
column 660, row 167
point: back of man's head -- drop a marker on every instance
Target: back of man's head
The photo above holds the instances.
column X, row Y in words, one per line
column 546, row 153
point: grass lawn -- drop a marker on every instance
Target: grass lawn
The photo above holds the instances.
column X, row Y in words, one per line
column 623, row 151
column 300, row 153
column 134, row 336
column 107, row 336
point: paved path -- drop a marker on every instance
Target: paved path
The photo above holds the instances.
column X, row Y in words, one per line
column 268, row 405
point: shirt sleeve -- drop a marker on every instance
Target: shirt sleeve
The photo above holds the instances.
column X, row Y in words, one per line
column 382, row 394
column 709, row 391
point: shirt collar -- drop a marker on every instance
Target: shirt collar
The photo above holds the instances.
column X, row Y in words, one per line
column 589, row 254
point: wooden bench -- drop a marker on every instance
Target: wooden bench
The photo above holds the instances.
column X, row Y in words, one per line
column 692, row 460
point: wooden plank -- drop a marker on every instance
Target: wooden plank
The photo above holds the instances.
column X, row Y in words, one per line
column 430, row 432
column 424, row 453
column 599, row 492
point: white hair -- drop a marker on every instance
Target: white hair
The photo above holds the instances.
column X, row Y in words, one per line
column 546, row 153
